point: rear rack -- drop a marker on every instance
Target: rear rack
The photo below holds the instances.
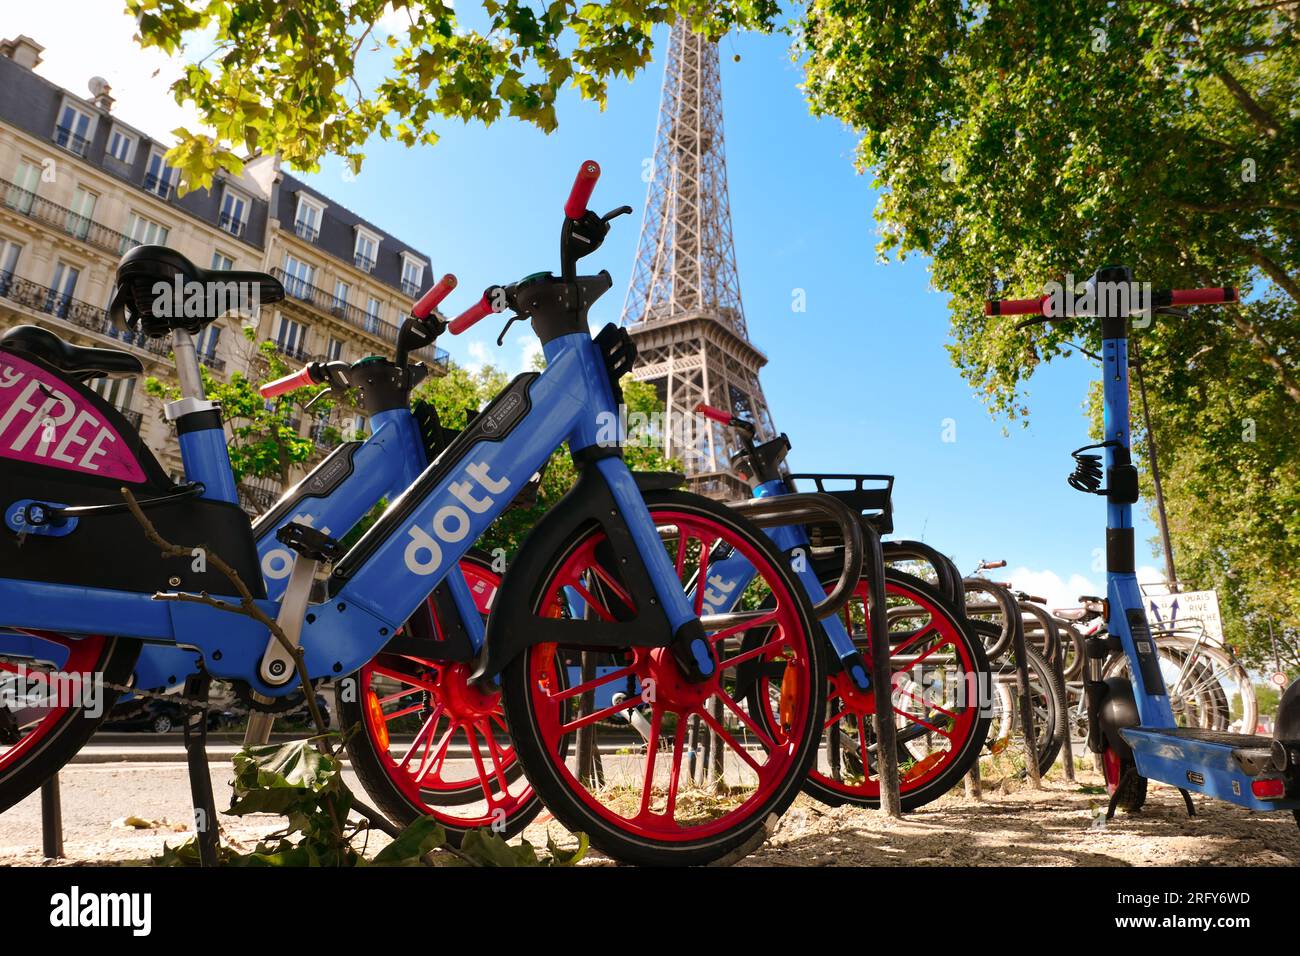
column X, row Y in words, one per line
column 875, row 504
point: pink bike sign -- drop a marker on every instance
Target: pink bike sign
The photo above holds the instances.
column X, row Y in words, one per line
column 44, row 421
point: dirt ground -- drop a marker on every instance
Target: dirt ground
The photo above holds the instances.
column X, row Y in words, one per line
column 1061, row 825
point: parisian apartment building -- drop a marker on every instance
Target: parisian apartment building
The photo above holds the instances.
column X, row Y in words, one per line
column 79, row 188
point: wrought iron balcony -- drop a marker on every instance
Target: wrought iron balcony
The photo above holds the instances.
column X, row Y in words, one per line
column 232, row 224
column 83, row 315
column 364, row 263
column 411, row 288
column 64, row 219
column 70, row 141
column 158, row 186
column 326, row 302
column 294, row 352
column 306, row 230
column 132, row 416
column 212, row 362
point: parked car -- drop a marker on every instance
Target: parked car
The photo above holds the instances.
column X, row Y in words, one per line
column 151, row 714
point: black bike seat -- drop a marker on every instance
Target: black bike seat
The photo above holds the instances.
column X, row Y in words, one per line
column 148, row 299
column 75, row 361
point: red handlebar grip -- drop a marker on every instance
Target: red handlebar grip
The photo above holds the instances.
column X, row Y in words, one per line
column 1202, row 296
column 717, row 414
column 583, row 186
column 429, row 301
column 484, row 306
column 1014, row 307
column 299, row 379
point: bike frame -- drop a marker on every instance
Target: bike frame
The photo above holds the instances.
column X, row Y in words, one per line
column 431, row 524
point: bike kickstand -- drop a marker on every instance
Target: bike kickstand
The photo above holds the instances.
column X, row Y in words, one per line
column 1119, row 789
column 1187, row 799
column 196, row 759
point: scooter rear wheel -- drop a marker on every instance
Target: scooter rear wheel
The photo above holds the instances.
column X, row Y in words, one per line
column 1133, row 788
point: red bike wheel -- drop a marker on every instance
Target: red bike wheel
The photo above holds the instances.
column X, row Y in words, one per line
column 939, row 672
column 53, row 699
column 460, row 764
column 637, row 799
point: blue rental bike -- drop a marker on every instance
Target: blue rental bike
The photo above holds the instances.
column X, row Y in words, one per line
column 82, row 586
column 1130, row 721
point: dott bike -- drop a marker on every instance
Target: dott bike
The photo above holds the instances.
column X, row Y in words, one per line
column 1130, row 720
column 939, row 668
column 76, row 565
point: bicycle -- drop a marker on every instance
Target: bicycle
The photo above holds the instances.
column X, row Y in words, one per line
column 56, row 587
column 1131, row 721
column 939, row 667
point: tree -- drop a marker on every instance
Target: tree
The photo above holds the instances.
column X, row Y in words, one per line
column 287, row 77
column 1019, row 142
column 462, row 391
column 264, row 440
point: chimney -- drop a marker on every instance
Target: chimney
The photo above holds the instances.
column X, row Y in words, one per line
column 99, row 93
column 23, row 50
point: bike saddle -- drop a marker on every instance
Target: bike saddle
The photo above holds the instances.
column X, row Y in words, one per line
column 158, row 290
column 75, row 361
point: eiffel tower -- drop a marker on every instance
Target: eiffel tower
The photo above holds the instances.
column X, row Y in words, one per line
column 683, row 306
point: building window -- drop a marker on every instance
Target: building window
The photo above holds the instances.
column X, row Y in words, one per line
column 9, row 254
column 334, row 351
column 144, row 232
column 341, row 292
column 121, row 146
column 234, row 213
column 118, row 392
column 299, row 277
column 22, row 193
column 205, row 343
column 82, row 212
column 222, row 262
column 367, row 249
column 373, row 309
column 73, row 130
column 159, row 178
column 291, row 338
column 307, row 220
column 62, row 286
column 412, row 276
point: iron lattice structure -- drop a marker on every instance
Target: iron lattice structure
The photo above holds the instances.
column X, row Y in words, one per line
column 683, row 306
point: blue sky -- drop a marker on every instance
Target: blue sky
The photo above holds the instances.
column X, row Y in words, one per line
column 860, row 381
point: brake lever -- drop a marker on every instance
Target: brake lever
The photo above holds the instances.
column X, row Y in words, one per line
column 615, row 213
column 517, row 317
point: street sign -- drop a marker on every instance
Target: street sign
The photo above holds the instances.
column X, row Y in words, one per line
column 1278, row 678
column 1184, row 608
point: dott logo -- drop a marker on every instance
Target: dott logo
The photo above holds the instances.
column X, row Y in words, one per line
column 451, row 524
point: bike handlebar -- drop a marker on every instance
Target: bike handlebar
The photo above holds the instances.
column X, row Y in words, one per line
column 1202, row 296
column 430, row 300
column 492, row 301
column 583, row 186
column 717, row 414
column 289, row 383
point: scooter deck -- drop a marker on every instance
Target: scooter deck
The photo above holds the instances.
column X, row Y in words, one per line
column 1201, row 761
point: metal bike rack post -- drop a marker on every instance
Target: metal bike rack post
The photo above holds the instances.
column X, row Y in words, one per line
column 51, row 819
column 882, row 677
column 1056, row 661
column 1026, row 697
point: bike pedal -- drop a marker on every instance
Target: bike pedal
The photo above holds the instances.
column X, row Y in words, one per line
column 310, row 543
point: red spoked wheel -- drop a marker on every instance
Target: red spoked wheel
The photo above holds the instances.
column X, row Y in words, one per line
column 431, row 743
column 653, row 768
column 940, row 676
column 52, row 697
